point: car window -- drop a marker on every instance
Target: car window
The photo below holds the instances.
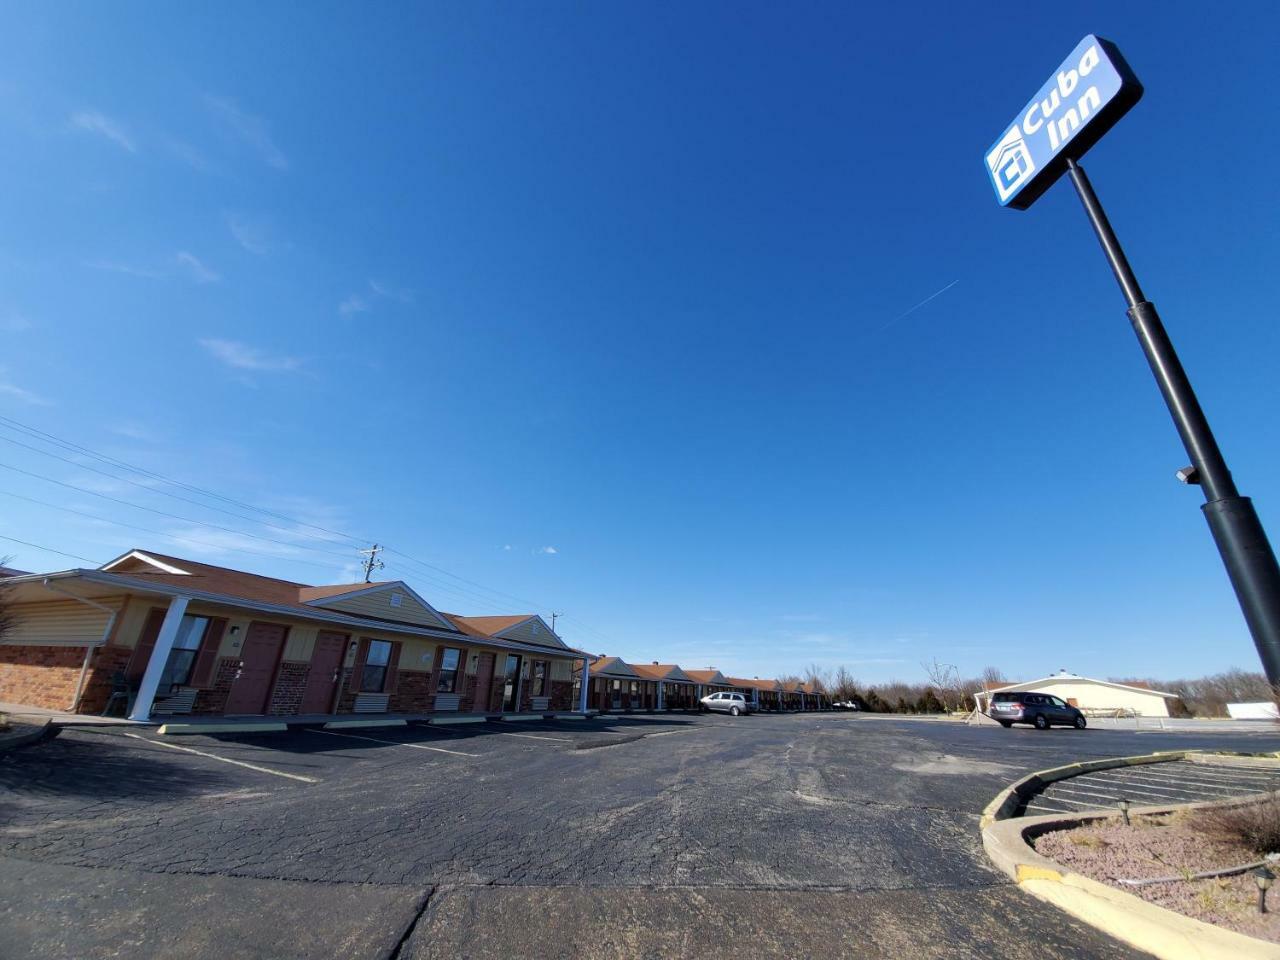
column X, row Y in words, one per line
column 1004, row 697
column 1057, row 702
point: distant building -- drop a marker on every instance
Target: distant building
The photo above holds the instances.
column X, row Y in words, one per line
column 1088, row 694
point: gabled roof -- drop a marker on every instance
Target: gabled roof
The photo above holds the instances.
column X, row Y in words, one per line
column 521, row 627
column 662, row 671
column 708, row 676
column 1064, row 677
column 754, row 683
column 613, row 667
column 792, row 686
column 334, row 595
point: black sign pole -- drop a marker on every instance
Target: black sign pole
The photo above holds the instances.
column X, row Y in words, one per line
column 1246, row 552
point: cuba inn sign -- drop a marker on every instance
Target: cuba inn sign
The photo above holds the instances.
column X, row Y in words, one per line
column 1088, row 93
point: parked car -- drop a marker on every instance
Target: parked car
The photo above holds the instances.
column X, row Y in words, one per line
column 1041, row 710
column 734, row 704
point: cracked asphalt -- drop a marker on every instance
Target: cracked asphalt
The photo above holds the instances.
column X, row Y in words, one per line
column 806, row 835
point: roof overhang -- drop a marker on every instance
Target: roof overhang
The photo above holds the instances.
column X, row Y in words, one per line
column 15, row 587
column 1031, row 685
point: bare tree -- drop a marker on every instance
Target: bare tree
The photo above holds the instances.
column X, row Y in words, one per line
column 945, row 679
column 818, row 677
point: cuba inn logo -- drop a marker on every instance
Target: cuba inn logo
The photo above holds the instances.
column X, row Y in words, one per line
column 1092, row 81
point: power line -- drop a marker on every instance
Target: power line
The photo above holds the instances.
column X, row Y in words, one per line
column 35, row 433
column 172, row 516
column 27, row 543
column 160, row 533
column 165, row 493
column 29, row 430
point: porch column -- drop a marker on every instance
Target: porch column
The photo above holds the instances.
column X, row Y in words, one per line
column 586, row 680
column 159, row 657
column 662, row 705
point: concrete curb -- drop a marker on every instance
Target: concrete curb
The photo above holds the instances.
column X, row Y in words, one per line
column 344, row 724
column 450, row 721
column 1161, row 932
column 1007, row 801
column 195, row 729
column 13, row 738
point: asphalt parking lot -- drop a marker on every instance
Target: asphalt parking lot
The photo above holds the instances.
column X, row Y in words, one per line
column 802, row 835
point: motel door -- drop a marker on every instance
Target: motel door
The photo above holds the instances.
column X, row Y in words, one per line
column 484, row 682
column 258, row 658
column 322, row 678
column 511, row 689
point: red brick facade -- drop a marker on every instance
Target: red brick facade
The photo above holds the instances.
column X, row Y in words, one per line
column 40, row 676
column 415, row 693
column 291, row 681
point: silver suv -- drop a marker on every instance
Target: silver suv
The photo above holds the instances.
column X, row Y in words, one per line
column 1041, row 710
column 734, row 704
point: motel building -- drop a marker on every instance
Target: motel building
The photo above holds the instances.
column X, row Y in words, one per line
column 675, row 688
column 761, row 694
column 149, row 635
column 614, row 686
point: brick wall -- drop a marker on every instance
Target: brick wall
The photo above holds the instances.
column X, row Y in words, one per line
column 291, row 681
column 415, row 692
column 214, row 699
column 40, row 676
column 107, row 662
column 562, row 695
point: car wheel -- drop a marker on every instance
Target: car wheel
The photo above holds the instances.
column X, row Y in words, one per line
column 1081, row 723
column 1042, row 722
column 734, row 711
column 1006, row 724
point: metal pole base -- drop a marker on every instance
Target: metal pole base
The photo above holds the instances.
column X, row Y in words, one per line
column 1255, row 575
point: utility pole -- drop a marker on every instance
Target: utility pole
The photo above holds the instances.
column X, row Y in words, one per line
column 554, row 617
column 371, row 562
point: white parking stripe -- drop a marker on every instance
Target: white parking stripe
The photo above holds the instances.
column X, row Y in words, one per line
column 1146, row 782
column 214, row 756
column 534, row 736
column 395, row 743
column 1191, row 780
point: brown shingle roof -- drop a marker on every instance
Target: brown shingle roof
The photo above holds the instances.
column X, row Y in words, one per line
column 706, row 676
column 486, row 626
column 753, row 684
column 337, row 589
column 659, row 671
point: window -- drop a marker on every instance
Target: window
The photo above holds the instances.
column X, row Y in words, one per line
column 539, row 678
column 374, row 677
column 449, row 658
column 177, row 669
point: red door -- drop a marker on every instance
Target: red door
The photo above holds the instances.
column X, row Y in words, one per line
column 322, row 679
column 258, row 658
column 484, row 682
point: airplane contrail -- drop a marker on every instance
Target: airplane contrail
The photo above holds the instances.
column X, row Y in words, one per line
column 931, row 296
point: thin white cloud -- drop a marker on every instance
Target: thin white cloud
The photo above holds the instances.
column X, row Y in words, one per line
column 243, row 356
column 189, row 155
column 133, row 430
column 203, row 541
column 506, row 547
column 352, row 305
column 547, row 550
column 254, row 234
column 128, row 269
column 14, row 323
column 104, row 126
column 22, row 395
column 195, row 269
column 390, row 293
column 249, row 129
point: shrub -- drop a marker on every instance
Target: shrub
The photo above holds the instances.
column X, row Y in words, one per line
column 1256, row 825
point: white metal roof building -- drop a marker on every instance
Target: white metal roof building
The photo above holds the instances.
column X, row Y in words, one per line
column 1089, row 695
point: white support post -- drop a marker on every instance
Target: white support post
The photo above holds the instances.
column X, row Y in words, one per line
column 662, row 704
column 586, row 679
column 159, row 657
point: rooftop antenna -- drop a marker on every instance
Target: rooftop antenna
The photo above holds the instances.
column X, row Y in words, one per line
column 371, row 562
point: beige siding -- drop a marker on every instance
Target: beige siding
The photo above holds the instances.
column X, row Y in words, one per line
column 129, row 626
column 1100, row 697
column 532, row 631
column 378, row 605
column 561, row 669
column 61, row 623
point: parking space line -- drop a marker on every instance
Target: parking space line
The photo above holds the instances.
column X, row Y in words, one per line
column 1158, row 786
column 1214, row 782
column 214, row 756
column 1075, row 803
column 534, row 736
column 396, row 743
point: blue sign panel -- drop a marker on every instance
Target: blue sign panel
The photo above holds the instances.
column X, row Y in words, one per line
column 1089, row 92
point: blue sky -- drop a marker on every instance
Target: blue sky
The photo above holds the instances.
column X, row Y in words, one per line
column 610, row 307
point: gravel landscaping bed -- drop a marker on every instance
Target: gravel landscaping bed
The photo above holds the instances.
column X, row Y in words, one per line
column 1170, row 845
